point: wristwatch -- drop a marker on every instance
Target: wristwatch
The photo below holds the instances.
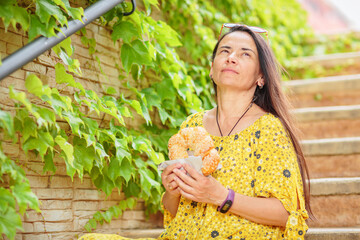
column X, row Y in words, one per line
column 226, row 205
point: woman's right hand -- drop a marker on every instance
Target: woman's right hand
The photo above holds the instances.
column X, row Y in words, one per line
column 167, row 178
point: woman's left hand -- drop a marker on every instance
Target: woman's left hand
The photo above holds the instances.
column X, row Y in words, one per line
column 199, row 188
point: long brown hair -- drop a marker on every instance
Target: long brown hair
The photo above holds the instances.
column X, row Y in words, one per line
column 272, row 99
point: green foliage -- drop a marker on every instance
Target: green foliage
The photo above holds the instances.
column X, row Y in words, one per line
column 172, row 55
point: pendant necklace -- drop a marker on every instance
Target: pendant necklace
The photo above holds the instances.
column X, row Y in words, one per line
column 217, row 121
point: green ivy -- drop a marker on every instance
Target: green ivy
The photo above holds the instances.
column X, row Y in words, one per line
column 172, row 54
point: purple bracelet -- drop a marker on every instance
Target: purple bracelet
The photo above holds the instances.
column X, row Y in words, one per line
column 226, row 205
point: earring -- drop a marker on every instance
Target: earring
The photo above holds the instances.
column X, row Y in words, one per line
column 261, row 86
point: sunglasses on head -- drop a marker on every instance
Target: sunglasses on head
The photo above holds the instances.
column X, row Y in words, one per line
column 252, row 28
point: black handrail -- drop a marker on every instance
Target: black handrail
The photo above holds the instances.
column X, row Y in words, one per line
column 34, row 49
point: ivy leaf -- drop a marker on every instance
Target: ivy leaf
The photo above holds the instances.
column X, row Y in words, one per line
column 66, row 45
column 21, row 97
column 6, row 200
column 45, row 9
column 43, row 141
column 100, row 150
column 124, row 30
column 74, row 122
column 22, row 17
column 38, row 28
column 29, row 130
column 114, row 169
column 10, row 221
column 7, row 123
column 84, row 156
column 49, row 162
column 67, row 148
column 132, row 189
column 75, row 13
column 126, row 169
column 63, row 77
column 25, row 197
column 136, row 53
column 34, row 85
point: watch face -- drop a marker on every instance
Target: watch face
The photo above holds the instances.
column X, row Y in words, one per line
column 226, row 206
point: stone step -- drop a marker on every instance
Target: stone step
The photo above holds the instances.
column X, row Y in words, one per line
column 326, row 91
column 334, row 166
column 142, row 233
column 329, row 122
column 327, row 113
column 335, row 186
column 335, row 202
column 312, row 234
column 330, row 60
column 333, row 234
column 331, row 146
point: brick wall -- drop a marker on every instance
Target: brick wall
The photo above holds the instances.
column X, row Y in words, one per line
column 67, row 205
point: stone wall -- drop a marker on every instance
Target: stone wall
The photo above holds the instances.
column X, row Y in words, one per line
column 67, row 205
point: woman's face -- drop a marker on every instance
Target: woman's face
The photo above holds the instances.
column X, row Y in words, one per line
column 236, row 63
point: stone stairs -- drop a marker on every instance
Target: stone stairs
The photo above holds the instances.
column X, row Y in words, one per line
column 328, row 113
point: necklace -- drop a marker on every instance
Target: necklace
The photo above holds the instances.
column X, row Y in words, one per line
column 217, row 121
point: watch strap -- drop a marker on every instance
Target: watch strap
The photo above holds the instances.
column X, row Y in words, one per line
column 226, row 205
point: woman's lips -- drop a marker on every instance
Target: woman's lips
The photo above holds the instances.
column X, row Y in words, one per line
column 229, row 70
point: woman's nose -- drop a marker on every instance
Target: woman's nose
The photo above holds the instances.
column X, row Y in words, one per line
column 231, row 58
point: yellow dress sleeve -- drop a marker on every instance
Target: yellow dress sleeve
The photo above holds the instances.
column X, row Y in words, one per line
column 277, row 174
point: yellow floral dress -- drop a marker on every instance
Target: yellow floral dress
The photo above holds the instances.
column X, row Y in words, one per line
column 259, row 161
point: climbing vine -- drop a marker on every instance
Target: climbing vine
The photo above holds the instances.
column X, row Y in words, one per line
column 172, row 54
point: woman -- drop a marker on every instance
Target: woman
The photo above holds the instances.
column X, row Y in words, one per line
column 258, row 192
column 263, row 167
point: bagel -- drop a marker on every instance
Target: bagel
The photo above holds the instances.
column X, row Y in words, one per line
column 198, row 140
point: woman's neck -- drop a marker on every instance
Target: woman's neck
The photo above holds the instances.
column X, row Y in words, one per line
column 233, row 104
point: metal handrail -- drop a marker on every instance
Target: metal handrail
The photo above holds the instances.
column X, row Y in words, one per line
column 32, row 50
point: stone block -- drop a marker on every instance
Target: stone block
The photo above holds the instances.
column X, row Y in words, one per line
column 10, row 37
column 82, row 194
column 90, row 75
column 46, row 59
column 52, row 236
column 49, row 216
column 19, row 84
column 56, row 204
column 35, row 67
column 133, row 215
column 84, row 183
column 103, row 31
column 38, row 181
column 86, row 205
column 94, row 28
column 111, row 71
column 11, row 48
column 105, row 41
column 41, row 236
column 53, row 227
column 28, row 227
column 107, row 204
column 84, row 214
column 54, row 193
column 60, row 182
column 80, row 50
column 2, row 47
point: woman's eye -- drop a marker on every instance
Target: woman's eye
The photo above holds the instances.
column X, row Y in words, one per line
column 246, row 54
column 224, row 51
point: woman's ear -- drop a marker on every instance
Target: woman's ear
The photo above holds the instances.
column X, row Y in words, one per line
column 260, row 82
